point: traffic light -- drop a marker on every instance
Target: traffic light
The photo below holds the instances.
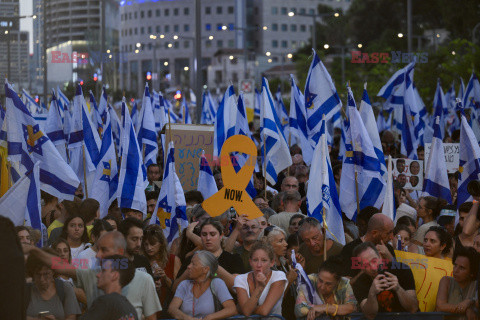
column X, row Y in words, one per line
column 149, row 76
column 36, row 99
column 81, row 82
column 178, row 95
column 95, row 77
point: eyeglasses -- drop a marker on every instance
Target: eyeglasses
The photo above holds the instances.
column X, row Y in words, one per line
column 245, row 227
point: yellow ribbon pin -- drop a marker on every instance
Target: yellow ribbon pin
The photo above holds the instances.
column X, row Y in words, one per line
column 233, row 194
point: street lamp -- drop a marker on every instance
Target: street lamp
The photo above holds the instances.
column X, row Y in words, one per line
column 314, row 17
column 138, row 45
column 268, row 53
column 326, row 46
column 400, row 35
column 359, row 45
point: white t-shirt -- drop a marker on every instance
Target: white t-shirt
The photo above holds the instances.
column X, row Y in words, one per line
column 76, row 251
column 241, row 281
column 87, row 258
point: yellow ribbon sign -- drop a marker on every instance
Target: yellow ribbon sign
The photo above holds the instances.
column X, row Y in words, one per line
column 233, row 194
column 427, row 272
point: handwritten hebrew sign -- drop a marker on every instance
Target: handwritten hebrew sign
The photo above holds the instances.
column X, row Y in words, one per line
column 452, row 155
column 189, row 141
column 427, row 273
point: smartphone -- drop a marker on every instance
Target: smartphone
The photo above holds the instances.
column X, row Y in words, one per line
column 43, row 313
column 380, row 269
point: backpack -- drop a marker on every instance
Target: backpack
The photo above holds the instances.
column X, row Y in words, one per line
column 59, row 286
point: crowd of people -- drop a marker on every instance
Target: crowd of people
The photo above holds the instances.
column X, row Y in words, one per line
column 121, row 267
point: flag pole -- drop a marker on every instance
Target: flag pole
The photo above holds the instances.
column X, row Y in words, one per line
column 324, row 235
column 84, row 171
column 265, row 165
column 289, row 146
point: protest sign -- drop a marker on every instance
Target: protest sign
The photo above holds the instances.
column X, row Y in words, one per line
column 427, row 272
column 189, row 141
column 409, row 173
column 452, row 155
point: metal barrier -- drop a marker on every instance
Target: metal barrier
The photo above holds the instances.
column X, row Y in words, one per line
column 253, row 316
column 402, row 316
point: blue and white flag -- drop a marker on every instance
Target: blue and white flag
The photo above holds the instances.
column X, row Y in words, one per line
column 368, row 118
column 27, row 144
column 134, row 114
column 116, row 127
column 99, row 112
column 382, row 123
column 54, row 127
column 461, row 90
column 171, row 206
column 303, row 280
column 469, row 166
column 146, row 132
column 321, row 98
column 206, row 182
column 185, row 112
column 63, row 101
column 133, row 175
column 450, row 97
column 281, row 111
column 439, row 106
column 209, row 110
column 226, row 111
column 257, row 106
column 388, row 208
column 436, row 175
column 105, row 182
column 393, row 90
column 322, row 197
column 472, row 93
column 277, row 156
column 298, row 121
column 30, row 102
column 21, row 203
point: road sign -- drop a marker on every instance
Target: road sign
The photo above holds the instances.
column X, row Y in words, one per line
column 247, row 86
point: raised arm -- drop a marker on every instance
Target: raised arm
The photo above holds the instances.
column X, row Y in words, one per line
column 469, row 223
column 53, row 262
column 369, row 306
column 229, row 243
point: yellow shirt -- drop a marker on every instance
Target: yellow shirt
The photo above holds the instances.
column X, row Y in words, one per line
column 89, row 231
column 55, row 224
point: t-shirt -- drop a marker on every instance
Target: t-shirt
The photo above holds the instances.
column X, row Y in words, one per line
column 204, row 305
column 87, row 258
column 387, row 300
column 245, row 256
column 241, row 281
column 141, row 263
column 140, row 291
column 312, row 263
column 54, row 305
column 111, row 306
column 231, row 262
column 76, row 251
column 347, row 254
column 55, row 224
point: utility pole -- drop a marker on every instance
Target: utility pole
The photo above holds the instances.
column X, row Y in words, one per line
column 198, row 59
column 44, row 57
column 409, row 25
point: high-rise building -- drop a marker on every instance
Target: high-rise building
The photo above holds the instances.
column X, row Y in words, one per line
column 158, row 36
column 13, row 44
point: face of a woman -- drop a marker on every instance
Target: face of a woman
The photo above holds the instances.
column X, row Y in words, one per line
column 63, row 251
column 293, row 227
column 43, row 278
column 210, row 238
column 326, row 283
column 422, row 210
column 75, row 229
column 196, row 269
column 431, row 245
column 403, row 197
column 461, row 269
column 404, row 236
column 151, row 248
column 261, row 262
column 279, row 245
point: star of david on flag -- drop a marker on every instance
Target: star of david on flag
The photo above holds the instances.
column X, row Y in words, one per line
column 107, row 169
column 34, row 138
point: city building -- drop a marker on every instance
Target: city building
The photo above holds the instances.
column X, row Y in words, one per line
column 163, row 31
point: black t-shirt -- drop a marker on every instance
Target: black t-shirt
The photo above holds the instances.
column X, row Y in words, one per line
column 232, row 263
column 111, row 306
column 141, row 263
column 387, row 300
column 347, row 253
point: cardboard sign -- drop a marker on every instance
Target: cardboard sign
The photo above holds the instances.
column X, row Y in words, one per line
column 233, row 194
column 427, row 273
column 189, row 140
column 452, row 155
column 409, row 173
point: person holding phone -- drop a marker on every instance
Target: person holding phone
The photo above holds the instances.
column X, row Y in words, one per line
column 381, row 287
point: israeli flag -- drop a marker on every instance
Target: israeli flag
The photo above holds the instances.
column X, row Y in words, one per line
column 99, row 112
column 469, row 161
column 321, row 98
column 461, row 91
column 134, row 115
column 409, row 142
column 171, row 206
column 322, row 197
column 133, row 175
column 186, row 118
column 104, row 188
column 436, row 174
column 393, row 90
column 54, row 127
column 383, row 123
column 116, row 127
column 277, row 156
column 257, row 106
column 209, row 110
column 472, row 93
column 223, row 120
column 28, row 145
column 368, row 118
column 388, row 208
column 21, row 203
column 206, row 182
column 281, row 111
column 30, row 103
column 63, row 101
column 146, row 132
column 298, row 121
column 439, row 104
